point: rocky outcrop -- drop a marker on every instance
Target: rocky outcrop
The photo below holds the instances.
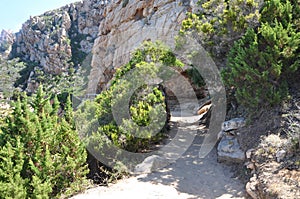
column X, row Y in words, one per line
column 51, row 39
column 6, row 40
column 126, row 25
column 61, row 38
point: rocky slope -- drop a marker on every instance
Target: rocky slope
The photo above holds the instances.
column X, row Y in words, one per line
column 62, row 38
column 51, row 39
column 275, row 162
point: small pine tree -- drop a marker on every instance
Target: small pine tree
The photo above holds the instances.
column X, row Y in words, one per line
column 218, row 23
column 12, row 185
column 261, row 63
column 41, row 152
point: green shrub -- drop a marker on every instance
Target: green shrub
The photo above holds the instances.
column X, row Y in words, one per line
column 146, row 104
column 41, row 155
column 261, row 63
column 218, row 23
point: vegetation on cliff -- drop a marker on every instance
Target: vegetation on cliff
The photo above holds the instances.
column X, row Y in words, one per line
column 258, row 42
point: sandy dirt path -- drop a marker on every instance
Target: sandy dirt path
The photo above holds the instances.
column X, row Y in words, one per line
column 188, row 177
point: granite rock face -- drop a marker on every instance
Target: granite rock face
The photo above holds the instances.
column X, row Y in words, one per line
column 58, row 40
column 111, row 30
column 125, row 26
column 50, row 39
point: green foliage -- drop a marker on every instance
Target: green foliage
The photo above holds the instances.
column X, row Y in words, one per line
column 75, row 38
column 220, row 22
column 70, row 81
column 147, row 106
column 155, row 52
column 12, row 185
column 262, row 62
column 216, row 25
column 41, row 154
column 195, row 77
column 77, row 55
column 21, row 81
column 9, row 73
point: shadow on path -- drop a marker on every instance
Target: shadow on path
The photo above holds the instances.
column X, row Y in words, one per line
column 201, row 178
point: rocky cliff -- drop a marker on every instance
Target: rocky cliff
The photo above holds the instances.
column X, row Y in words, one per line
column 62, row 38
column 52, row 39
column 125, row 26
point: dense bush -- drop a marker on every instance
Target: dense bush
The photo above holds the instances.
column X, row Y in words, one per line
column 41, row 155
column 146, row 104
column 263, row 60
column 218, row 23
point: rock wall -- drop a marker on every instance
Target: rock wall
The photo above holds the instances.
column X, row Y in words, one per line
column 61, row 38
column 125, row 26
column 50, row 39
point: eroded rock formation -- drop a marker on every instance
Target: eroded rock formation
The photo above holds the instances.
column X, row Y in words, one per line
column 50, row 39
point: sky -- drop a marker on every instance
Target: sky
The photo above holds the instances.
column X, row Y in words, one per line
column 15, row 12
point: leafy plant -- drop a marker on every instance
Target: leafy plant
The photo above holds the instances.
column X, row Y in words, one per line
column 70, row 81
column 195, row 77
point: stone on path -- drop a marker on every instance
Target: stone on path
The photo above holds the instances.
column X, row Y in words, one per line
column 151, row 164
